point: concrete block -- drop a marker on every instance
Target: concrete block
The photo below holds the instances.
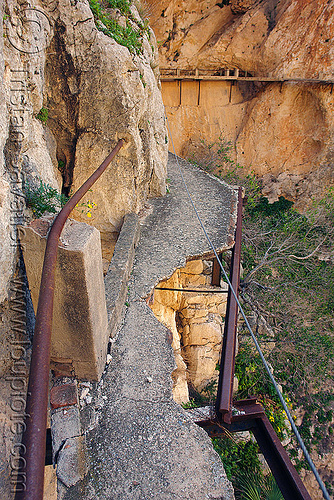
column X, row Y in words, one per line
column 65, row 424
column 71, row 464
column 79, row 330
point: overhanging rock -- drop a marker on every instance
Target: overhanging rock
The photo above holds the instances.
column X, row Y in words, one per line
column 79, row 332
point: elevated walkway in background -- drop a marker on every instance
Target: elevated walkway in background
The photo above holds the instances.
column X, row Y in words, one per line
column 234, row 74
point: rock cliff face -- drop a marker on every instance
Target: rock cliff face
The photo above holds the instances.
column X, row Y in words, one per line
column 281, row 130
column 68, row 93
column 91, row 92
column 286, row 38
column 195, row 321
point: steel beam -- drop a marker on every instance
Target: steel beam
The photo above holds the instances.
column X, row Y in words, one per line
column 227, row 362
column 250, row 416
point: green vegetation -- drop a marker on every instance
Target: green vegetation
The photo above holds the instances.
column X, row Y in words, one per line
column 287, row 283
column 192, row 403
column 254, row 381
column 252, row 487
column 122, row 5
column 130, row 36
column 243, row 468
column 238, row 457
column 43, row 199
column 288, row 286
column 43, row 115
column 61, row 166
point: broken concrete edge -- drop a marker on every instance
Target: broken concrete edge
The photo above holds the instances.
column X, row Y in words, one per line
column 208, row 255
column 117, row 277
column 233, row 218
column 204, row 256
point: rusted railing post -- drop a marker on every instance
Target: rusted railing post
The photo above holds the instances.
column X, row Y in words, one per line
column 216, row 272
column 226, row 374
column 37, row 397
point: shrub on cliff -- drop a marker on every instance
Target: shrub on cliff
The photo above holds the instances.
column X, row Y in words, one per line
column 129, row 33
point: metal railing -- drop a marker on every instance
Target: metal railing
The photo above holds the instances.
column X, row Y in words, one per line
column 34, row 437
column 225, row 383
column 247, row 414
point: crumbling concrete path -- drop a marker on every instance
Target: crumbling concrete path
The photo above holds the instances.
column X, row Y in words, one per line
column 141, row 444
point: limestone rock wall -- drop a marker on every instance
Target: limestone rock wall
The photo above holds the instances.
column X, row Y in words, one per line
column 195, row 320
column 93, row 92
column 279, row 37
column 282, row 131
column 6, row 248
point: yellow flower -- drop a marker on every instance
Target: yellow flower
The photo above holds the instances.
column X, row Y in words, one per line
column 89, row 214
column 89, row 205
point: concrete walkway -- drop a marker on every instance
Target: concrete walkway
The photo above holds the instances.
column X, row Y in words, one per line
column 140, row 443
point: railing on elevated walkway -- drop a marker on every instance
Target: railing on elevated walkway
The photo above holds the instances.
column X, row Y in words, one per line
column 233, row 74
column 247, row 414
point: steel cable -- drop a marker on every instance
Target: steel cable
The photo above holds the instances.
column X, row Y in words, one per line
column 280, row 395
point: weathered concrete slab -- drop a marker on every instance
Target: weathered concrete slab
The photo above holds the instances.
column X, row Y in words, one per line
column 143, row 445
column 171, row 233
column 79, row 331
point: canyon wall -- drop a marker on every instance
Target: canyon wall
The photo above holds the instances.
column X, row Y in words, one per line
column 282, row 130
column 70, row 92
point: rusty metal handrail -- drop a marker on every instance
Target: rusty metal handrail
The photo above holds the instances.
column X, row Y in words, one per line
column 249, row 414
column 227, row 362
column 37, row 396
